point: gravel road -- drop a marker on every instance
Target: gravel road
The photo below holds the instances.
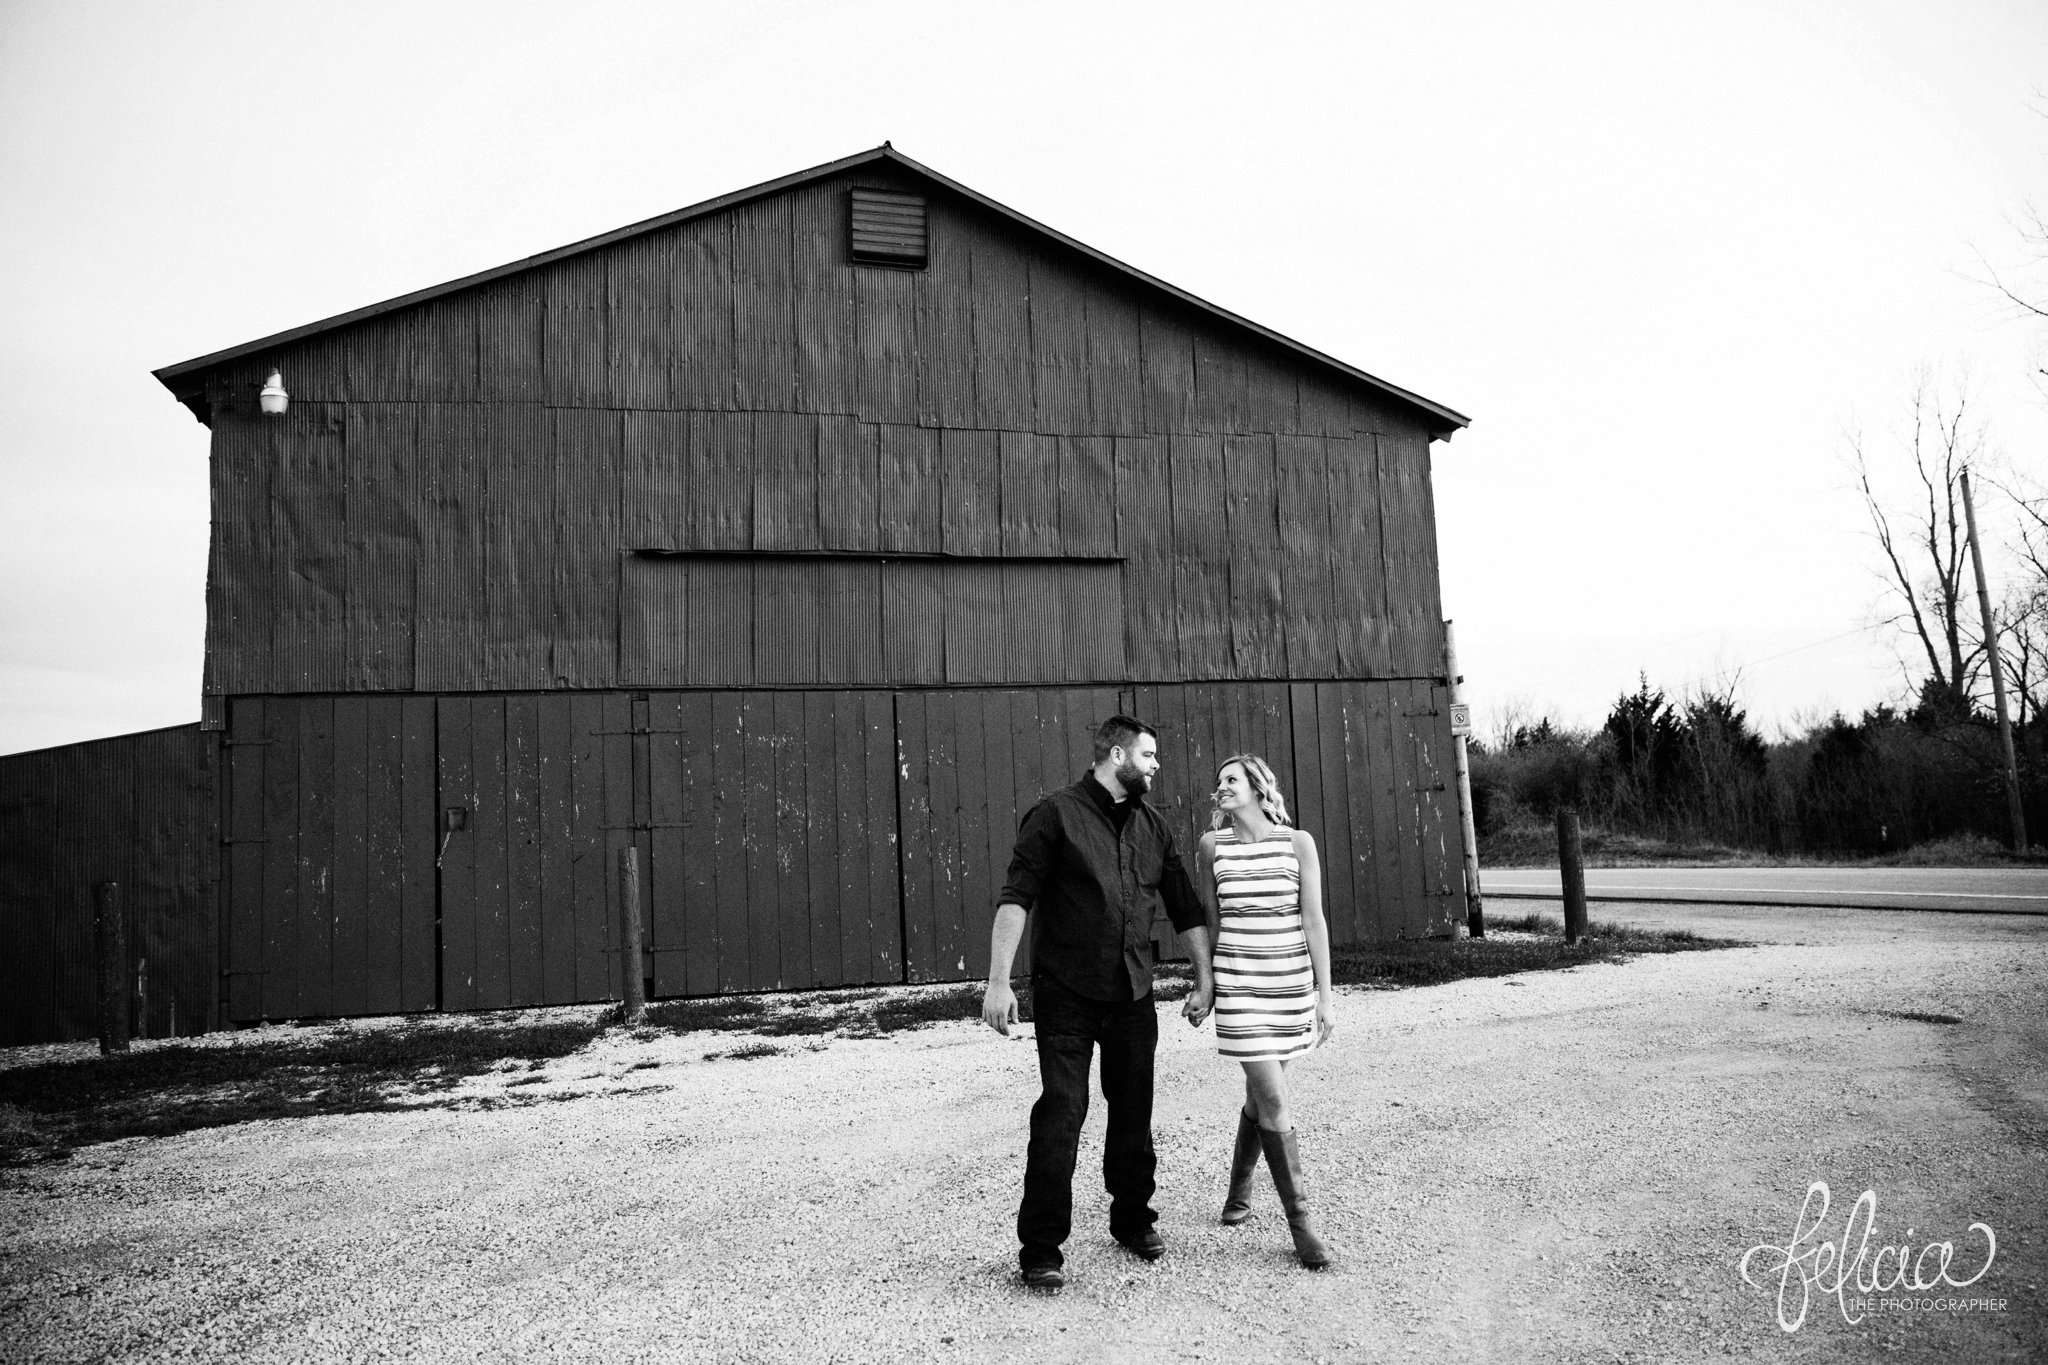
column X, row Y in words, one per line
column 1559, row 1167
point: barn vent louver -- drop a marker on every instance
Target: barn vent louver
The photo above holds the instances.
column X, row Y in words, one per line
column 888, row 228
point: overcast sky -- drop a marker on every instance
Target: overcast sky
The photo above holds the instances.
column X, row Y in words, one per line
column 1663, row 255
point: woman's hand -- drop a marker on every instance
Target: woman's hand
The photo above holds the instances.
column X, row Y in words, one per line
column 1326, row 1019
column 1197, row 1004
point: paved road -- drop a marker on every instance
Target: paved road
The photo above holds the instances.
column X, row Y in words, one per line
column 2018, row 891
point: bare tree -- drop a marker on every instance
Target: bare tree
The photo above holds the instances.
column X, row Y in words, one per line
column 2023, row 616
column 2023, row 288
column 1921, row 534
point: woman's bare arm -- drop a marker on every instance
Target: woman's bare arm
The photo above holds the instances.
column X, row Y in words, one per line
column 1315, row 927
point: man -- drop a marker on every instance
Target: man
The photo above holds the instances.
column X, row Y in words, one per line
column 1092, row 865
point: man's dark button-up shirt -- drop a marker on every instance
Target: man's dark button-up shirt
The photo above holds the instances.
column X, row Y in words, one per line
column 1094, row 872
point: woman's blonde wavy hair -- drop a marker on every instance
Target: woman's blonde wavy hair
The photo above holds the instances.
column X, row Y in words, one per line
column 1265, row 787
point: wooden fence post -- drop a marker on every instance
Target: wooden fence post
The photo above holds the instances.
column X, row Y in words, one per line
column 110, row 938
column 1461, row 726
column 1571, row 866
column 635, row 994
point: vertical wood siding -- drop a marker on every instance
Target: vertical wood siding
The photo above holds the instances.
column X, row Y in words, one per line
column 791, row 838
column 1359, row 765
column 142, row 810
column 328, row 888
column 970, row 765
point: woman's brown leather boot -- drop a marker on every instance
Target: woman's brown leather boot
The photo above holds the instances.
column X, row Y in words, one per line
column 1285, row 1162
column 1244, row 1164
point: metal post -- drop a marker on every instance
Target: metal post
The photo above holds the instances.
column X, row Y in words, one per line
column 1461, row 727
column 1571, row 867
column 635, row 992
column 2016, row 811
column 110, row 938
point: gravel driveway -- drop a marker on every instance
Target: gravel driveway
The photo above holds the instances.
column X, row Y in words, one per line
column 1558, row 1167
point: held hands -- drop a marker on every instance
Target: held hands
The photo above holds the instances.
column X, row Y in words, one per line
column 999, row 1007
column 1198, row 1003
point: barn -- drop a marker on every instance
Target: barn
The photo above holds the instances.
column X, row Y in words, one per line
column 796, row 539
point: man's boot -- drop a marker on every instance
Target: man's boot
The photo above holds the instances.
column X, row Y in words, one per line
column 1244, row 1164
column 1285, row 1163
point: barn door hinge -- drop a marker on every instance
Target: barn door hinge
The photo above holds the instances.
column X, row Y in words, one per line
column 258, row 840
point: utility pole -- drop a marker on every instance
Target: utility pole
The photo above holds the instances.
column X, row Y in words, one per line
column 1461, row 727
column 2015, row 810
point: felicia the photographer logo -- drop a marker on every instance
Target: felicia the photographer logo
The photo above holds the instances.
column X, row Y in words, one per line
column 1893, row 1276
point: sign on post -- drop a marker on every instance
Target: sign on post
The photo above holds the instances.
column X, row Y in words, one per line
column 1461, row 720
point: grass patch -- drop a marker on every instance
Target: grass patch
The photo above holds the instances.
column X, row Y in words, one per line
column 1922, row 1017
column 48, row 1108
column 941, row 1005
column 1432, row 962
column 1535, row 845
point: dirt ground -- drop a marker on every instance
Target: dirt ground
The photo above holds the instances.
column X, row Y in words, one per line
column 1566, row 1166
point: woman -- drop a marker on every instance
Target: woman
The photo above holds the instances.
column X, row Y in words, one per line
column 1272, row 961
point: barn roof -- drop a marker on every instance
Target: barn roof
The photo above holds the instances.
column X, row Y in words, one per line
column 1441, row 421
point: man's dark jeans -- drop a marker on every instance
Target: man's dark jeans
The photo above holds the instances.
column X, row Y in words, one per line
column 1070, row 1027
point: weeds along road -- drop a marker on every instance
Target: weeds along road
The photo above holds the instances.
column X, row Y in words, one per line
column 1995, row 890
column 1565, row 1166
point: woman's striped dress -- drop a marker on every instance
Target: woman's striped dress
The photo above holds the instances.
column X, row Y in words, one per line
column 1265, row 982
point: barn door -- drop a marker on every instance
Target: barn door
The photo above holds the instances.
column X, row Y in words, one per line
column 328, row 857
column 535, row 799
column 766, row 860
column 969, row 765
column 773, row 840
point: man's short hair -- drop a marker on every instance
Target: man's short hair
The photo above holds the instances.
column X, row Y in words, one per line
column 1118, row 732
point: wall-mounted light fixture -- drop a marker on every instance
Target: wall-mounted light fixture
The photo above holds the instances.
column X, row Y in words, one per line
column 273, row 399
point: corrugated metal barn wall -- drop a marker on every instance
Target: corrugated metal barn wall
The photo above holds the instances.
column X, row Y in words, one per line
column 449, row 503
column 141, row 810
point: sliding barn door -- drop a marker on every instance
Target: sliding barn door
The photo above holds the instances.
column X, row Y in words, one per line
column 970, row 765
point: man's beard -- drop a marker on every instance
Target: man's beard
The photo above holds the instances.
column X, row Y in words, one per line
column 1134, row 782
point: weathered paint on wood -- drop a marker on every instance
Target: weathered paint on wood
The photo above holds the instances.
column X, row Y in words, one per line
column 141, row 810
column 960, row 798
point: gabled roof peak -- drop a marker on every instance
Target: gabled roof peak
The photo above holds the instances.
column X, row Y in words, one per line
column 1442, row 421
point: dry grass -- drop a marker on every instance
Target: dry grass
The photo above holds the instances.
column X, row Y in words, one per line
column 1534, row 845
column 1528, row 943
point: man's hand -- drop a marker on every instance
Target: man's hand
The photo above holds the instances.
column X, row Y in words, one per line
column 1198, row 1003
column 999, row 1007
